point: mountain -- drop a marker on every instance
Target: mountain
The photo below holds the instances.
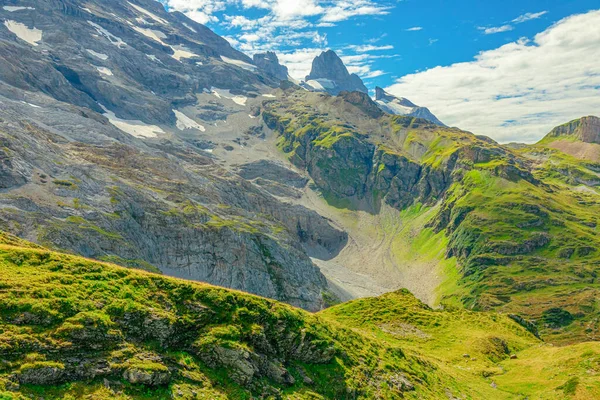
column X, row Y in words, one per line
column 462, row 220
column 269, row 63
column 115, row 123
column 586, row 129
column 329, row 74
column 107, row 332
column 401, row 106
column 579, row 138
column 137, row 138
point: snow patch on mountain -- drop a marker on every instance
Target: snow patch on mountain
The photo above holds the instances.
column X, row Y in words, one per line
column 104, row 71
column 117, row 41
column 134, row 128
column 190, row 28
column 226, row 94
column 29, row 104
column 184, row 122
column 239, row 63
column 151, row 34
column 149, row 14
column 182, row 52
column 101, row 56
column 321, row 84
column 402, row 106
column 29, row 35
column 16, row 8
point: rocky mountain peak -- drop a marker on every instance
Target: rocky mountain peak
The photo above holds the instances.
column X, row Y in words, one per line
column 585, row 129
column 381, row 94
column 269, row 63
column 402, row 106
column 329, row 74
column 328, row 65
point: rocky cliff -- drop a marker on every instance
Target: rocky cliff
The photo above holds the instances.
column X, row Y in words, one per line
column 494, row 211
column 586, row 129
column 114, row 118
column 269, row 63
column 329, row 74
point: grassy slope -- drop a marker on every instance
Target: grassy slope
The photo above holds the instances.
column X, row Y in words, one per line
column 476, row 348
column 514, row 231
column 70, row 315
column 59, row 311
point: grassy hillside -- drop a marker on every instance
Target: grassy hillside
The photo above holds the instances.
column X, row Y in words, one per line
column 482, row 350
column 72, row 328
column 517, row 229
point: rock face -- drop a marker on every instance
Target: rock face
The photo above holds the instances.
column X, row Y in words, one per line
column 134, row 59
column 269, row 63
column 111, row 123
column 586, row 129
column 401, row 106
column 329, row 74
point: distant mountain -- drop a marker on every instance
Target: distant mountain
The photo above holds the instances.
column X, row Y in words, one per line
column 579, row 138
column 585, row 129
column 401, row 106
column 269, row 63
column 329, row 74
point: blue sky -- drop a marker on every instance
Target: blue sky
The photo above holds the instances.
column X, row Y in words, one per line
column 406, row 45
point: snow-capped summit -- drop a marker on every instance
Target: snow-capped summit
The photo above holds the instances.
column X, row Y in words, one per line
column 401, row 106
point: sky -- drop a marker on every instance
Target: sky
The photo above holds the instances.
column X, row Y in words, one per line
column 507, row 69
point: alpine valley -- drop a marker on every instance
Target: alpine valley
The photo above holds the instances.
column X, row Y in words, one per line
column 182, row 221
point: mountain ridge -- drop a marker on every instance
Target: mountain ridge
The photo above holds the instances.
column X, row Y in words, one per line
column 402, row 106
column 138, row 137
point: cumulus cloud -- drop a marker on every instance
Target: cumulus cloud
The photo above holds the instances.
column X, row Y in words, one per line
column 520, row 91
column 299, row 62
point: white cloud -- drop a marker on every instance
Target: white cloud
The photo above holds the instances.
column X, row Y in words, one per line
column 249, row 37
column 199, row 10
column 329, row 12
column 496, row 29
column 520, row 91
column 343, row 10
column 292, row 9
column 299, row 62
column 528, row 17
column 414, row 29
column 369, row 47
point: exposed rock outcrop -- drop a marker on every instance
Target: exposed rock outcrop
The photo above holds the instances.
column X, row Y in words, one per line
column 585, row 129
column 269, row 63
column 329, row 74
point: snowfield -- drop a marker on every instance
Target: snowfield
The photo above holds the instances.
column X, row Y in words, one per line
column 29, row 35
column 16, row 8
column 239, row 63
column 134, row 128
column 101, row 56
column 184, row 122
column 117, row 41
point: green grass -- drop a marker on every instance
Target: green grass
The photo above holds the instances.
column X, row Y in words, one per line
column 57, row 311
column 514, row 231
